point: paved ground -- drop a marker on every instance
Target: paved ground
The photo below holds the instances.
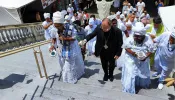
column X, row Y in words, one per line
column 19, row 80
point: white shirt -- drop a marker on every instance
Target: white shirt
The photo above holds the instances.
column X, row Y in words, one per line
column 47, row 31
column 74, row 19
column 80, row 15
column 70, row 10
column 130, row 9
column 140, row 6
column 97, row 21
column 163, row 57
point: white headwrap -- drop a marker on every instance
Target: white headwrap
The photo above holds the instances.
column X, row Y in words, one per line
column 122, row 16
column 64, row 12
column 91, row 21
column 58, row 17
column 67, row 17
column 111, row 17
column 128, row 24
column 70, row 5
column 46, row 15
column 139, row 29
column 125, row 12
column 173, row 34
column 118, row 13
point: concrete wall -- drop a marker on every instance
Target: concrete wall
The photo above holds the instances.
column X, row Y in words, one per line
column 19, row 35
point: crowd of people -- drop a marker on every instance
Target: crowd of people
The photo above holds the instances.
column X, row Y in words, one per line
column 128, row 39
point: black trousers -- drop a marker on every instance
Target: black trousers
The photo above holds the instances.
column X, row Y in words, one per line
column 108, row 63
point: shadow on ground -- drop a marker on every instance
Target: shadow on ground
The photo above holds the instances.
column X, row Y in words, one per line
column 90, row 72
column 89, row 64
column 11, row 80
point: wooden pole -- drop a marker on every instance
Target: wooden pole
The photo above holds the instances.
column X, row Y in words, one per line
column 36, row 58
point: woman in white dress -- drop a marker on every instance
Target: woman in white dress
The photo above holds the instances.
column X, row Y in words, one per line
column 46, row 25
column 127, row 32
column 165, row 55
column 91, row 44
column 73, row 67
column 136, row 72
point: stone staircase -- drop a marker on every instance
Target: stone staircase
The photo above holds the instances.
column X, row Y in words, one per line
column 89, row 87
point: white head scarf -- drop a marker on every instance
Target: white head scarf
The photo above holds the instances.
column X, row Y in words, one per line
column 58, row 17
column 91, row 21
column 64, row 12
column 46, row 15
column 118, row 13
column 173, row 34
column 139, row 29
column 122, row 16
column 67, row 17
column 111, row 17
column 128, row 24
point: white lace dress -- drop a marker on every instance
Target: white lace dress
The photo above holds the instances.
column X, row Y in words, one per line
column 73, row 67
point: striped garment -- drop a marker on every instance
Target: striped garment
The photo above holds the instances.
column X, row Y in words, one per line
column 66, row 44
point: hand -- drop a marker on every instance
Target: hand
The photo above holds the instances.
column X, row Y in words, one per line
column 134, row 54
column 116, row 57
column 51, row 23
column 51, row 48
column 82, row 43
column 61, row 37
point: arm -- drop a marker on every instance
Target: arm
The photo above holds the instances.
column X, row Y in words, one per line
column 131, row 52
column 47, row 26
column 152, row 36
column 119, row 38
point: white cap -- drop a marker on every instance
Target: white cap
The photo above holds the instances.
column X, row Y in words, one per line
column 70, row 5
column 122, row 16
column 139, row 29
column 118, row 13
column 58, row 17
column 46, row 15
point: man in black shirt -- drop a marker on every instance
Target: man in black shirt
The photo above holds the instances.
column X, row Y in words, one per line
column 108, row 46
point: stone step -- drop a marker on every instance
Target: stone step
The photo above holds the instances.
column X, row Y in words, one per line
column 53, row 94
column 98, row 91
column 167, row 93
column 115, row 85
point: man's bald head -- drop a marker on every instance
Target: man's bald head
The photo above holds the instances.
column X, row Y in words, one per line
column 106, row 24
